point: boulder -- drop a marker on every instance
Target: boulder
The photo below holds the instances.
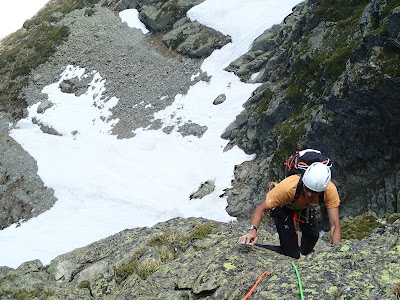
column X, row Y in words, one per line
column 205, row 189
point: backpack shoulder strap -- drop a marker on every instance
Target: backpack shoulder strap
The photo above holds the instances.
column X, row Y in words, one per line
column 321, row 198
column 299, row 189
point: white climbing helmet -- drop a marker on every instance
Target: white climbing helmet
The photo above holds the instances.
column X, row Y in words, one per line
column 317, row 177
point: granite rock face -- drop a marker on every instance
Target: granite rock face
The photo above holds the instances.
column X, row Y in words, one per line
column 168, row 18
column 328, row 82
column 204, row 261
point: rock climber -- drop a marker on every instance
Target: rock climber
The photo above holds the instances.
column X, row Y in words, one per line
column 286, row 210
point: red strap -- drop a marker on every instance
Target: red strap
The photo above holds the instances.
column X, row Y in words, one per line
column 295, row 218
column 295, row 226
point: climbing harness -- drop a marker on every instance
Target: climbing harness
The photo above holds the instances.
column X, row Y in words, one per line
column 308, row 218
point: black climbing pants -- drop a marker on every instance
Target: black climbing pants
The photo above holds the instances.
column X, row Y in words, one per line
column 285, row 222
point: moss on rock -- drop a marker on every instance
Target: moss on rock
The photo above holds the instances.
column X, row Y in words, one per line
column 360, row 227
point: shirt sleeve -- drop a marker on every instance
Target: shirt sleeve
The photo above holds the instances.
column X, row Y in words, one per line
column 283, row 193
column 331, row 197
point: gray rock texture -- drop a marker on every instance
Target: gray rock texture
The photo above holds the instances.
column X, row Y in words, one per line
column 328, row 83
column 22, row 192
column 201, row 259
column 329, row 80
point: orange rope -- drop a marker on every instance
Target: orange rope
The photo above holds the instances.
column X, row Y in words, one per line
column 254, row 286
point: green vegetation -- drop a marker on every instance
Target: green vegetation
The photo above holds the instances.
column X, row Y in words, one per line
column 36, row 291
column 26, row 49
column 390, row 5
column 84, row 284
column 22, row 52
column 202, row 231
column 39, row 46
column 360, row 227
column 123, row 270
column 393, row 218
column 48, row 13
column 171, row 239
column 388, row 59
column 178, row 243
column 337, row 10
column 336, row 63
column 143, row 268
column 169, row 245
column 290, row 132
column 165, row 254
column 316, row 74
column 147, row 267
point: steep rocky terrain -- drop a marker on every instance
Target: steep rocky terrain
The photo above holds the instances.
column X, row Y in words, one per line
column 330, row 80
column 201, row 259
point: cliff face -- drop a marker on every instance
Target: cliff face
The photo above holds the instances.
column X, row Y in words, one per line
column 200, row 259
column 329, row 77
column 330, row 81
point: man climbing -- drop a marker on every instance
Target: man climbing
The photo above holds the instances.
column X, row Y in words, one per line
column 288, row 206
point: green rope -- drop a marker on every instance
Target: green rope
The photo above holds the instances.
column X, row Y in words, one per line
column 298, row 276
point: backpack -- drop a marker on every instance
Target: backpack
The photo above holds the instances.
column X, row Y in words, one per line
column 301, row 160
column 298, row 164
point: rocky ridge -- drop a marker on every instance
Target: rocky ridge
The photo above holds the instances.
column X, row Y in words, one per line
column 201, row 259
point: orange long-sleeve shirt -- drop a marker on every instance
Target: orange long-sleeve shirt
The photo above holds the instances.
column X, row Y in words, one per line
column 284, row 192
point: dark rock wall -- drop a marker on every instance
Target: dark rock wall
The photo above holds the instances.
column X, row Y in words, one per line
column 330, row 81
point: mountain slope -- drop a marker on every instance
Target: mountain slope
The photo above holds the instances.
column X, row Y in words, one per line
column 330, row 81
column 200, row 259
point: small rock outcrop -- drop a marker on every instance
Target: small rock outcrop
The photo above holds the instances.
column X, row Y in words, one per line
column 205, row 189
column 22, row 192
column 168, row 18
